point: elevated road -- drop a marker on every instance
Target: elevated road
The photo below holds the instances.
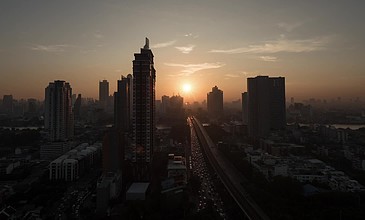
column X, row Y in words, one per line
column 229, row 175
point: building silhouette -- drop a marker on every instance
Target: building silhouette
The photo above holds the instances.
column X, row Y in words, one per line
column 8, row 104
column 58, row 115
column 77, row 107
column 122, row 103
column 143, row 121
column 103, row 94
column 244, row 108
column 266, row 105
column 215, row 103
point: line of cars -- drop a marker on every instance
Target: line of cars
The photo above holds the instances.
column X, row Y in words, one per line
column 207, row 194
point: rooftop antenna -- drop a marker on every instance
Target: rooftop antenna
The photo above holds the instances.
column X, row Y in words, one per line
column 147, row 44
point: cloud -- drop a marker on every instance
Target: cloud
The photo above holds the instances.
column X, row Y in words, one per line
column 281, row 45
column 98, row 35
column 232, row 75
column 189, row 69
column 289, row 27
column 269, row 58
column 50, row 48
column 191, row 35
column 164, row 44
column 186, row 49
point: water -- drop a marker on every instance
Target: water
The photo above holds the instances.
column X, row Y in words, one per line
column 343, row 126
column 22, row 128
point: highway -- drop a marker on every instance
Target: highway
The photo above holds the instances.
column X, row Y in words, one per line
column 229, row 175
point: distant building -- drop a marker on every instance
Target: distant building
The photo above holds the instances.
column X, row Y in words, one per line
column 32, row 107
column 215, row 103
column 165, row 104
column 266, row 105
column 144, row 77
column 58, row 115
column 8, row 104
column 77, row 107
column 103, row 94
column 122, row 104
column 244, row 108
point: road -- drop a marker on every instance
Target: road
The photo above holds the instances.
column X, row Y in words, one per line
column 228, row 174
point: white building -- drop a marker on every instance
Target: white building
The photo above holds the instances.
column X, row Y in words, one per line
column 68, row 166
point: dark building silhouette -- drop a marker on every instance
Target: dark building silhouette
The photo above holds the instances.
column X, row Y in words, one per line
column 113, row 151
column 266, row 105
column 8, row 104
column 58, row 115
column 103, row 94
column 215, row 103
column 77, row 107
column 172, row 109
column 165, row 103
column 122, row 104
column 244, row 108
column 144, row 76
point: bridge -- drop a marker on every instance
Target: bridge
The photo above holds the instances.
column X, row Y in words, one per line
column 229, row 175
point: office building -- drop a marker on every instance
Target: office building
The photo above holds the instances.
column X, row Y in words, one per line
column 266, row 105
column 215, row 103
column 103, row 94
column 244, row 108
column 122, row 104
column 58, row 115
column 144, row 76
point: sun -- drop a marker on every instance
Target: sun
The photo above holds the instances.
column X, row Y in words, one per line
column 186, row 88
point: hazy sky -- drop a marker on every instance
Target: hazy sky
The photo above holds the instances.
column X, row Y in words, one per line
column 318, row 45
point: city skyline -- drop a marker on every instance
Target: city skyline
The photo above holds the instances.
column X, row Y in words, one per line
column 316, row 46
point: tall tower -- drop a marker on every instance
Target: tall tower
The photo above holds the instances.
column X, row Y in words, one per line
column 266, row 105
column 122, row 105
column 58, row 117
column 244, row 108
column 215, row 103
column 143, row 121
column 103, row 94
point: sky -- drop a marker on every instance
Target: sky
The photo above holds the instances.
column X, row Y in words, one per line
column 317, row 45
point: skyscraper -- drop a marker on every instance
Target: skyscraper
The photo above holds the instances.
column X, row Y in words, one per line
column 77, row 107
column 215, row 103
column 58, row 116
column 244, row 108
column 122, row 104
column 144, row 76
column 103, row 94
column 266, row 105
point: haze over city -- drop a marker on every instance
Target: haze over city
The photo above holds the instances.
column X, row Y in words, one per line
column 316, row 45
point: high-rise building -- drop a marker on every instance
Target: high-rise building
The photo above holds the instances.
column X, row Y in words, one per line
column 77, row 107
column 266, row 105
column 103, row 94
column 244, row 108
column 215, row 103
column 122, row 104
column 165, row 104
column 58, row 116
column 144, row 76
column 8, row 104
